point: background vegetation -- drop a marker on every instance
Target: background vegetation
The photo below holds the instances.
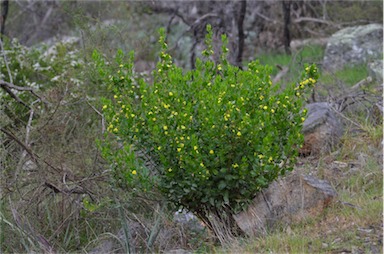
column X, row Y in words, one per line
column 57, row 191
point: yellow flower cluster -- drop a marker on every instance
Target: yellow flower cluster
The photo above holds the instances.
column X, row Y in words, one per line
column 309, row 81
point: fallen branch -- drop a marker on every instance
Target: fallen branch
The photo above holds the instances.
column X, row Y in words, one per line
column 315, row 20
column 7, row 85
column 282, row 73
column 24, row 146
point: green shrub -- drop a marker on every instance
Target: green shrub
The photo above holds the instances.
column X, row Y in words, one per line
column 217, row 134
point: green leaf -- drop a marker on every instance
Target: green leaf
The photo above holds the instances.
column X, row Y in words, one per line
column 222, row 185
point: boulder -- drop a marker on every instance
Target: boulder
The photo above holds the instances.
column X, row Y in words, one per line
column 322, row 129
column 375, row 70
column 354, row 45
column 289, row 199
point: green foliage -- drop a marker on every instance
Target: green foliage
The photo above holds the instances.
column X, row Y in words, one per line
column 349, row 75
column 295, row 62
column 39, row 68
column 218, row 134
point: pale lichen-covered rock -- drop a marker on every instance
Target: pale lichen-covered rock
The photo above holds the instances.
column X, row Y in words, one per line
column 354, row 45
column 375, row 70
column 289, row 199
column 322, row 129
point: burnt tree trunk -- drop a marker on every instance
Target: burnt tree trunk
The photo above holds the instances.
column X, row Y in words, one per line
column 4, row 13
column 287, row 20
column 240, row 29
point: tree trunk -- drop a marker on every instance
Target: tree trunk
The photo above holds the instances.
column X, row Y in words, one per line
column 240, row 29
column 4, row 13
column 287, row 20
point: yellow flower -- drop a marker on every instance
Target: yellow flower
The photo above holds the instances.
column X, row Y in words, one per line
column 105, row 107
column 182, row 127
column 115, row 130
column 179, row 149
column 238, row 133
column 235, row 165
column 165, row 127
column 134, row 172
column 273, row 111
column 265, row 107
column 211, row 152
column 169, row 170
column 219, row 67
column 170, row 94
column 159, row 148
column 154, row 119
column 270, row 159
column 202, row 165
column 195, row 148
column 302, row 119
column 122, row 77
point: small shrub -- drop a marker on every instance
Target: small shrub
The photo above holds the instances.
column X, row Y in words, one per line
column 218, row 134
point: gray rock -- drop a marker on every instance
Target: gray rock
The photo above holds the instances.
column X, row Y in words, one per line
column 375, row 70
column 289, row 199
column 322, row 129
column 354, row 45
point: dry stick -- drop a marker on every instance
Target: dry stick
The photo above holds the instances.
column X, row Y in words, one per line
column 281, row 74
column 6, row 61
column 13, row 95
column 7, row 86
column 346, row 118
column 27, row 134
column 100, row 114
column 33, row 155
column 24, row 146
